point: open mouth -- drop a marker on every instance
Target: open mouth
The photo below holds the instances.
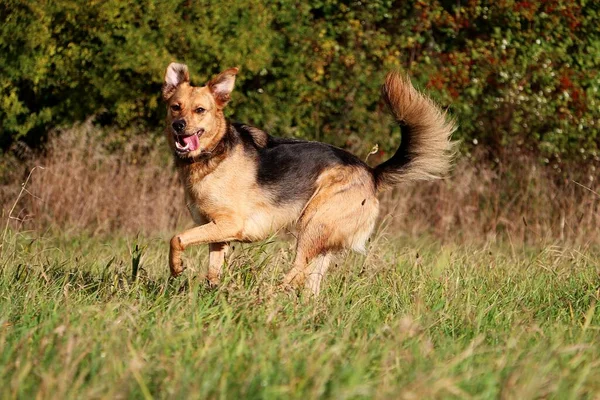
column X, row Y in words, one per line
column 186, row 144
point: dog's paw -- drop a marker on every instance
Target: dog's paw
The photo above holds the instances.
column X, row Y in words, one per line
column 295, row 278
column 287, row 289
column 213, row 283
column 213, row 278
column 176, row 268
column 175, row 262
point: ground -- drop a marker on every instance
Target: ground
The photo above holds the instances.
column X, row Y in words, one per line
column 89, row 317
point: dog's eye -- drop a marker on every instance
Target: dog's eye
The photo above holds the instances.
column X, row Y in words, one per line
column 200, row 110
column 175, row 107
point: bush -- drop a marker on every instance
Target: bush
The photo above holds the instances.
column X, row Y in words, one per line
column 518, row 75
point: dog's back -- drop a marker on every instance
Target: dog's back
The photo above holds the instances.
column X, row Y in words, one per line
column 288, row 168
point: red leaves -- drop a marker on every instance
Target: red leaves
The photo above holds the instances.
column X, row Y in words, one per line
column 565, row 82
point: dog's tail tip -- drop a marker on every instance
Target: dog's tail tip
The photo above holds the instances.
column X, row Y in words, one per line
column 426, row 150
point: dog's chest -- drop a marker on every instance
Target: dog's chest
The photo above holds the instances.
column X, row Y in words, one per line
column 226, row 190
column 208, row 198
column 231, row 192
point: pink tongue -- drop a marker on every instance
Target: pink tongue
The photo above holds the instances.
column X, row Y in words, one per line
column 192, row 142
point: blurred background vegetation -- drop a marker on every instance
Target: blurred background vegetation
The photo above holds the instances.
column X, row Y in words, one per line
column 519, row 76
column 80, row 95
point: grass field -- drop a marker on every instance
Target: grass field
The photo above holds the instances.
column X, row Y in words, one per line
column 100, row 318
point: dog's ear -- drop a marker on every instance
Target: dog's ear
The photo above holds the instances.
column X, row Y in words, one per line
column 221, row 86
column 176, row 74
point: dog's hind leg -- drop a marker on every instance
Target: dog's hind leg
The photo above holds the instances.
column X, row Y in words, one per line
column 297, row 275
column 340, row 215
column 312, row 257
column 319, row 267
column 307, row 271
column 216, row 259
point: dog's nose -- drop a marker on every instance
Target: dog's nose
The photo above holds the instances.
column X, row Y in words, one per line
column 178, row 125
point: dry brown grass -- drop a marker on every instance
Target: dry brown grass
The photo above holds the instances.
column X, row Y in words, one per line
column 84, row 186
column 521, row 202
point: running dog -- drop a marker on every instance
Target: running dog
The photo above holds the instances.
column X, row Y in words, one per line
column 241, row 184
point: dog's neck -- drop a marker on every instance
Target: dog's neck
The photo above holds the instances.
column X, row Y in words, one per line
column 201, row 158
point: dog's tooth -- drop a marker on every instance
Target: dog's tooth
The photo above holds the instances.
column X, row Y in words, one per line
column 180, row 147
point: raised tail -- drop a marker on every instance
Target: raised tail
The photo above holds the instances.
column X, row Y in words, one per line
column 426, row 150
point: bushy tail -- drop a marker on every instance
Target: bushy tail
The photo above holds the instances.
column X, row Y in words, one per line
column 426, row 150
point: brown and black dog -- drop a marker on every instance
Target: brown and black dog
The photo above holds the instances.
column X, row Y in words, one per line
column 242, row 184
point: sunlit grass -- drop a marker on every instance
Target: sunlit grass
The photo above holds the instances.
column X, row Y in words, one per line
column 412, row 319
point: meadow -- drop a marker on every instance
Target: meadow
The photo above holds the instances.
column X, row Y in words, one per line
column 97, row 316
column 483, row 285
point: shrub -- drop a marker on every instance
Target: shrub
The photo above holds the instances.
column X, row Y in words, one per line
column 518, row 75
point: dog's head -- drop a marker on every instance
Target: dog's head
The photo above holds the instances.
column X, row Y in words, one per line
column 195, row 114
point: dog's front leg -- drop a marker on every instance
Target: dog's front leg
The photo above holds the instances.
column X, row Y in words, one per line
column 213, row 232
column 216, row 259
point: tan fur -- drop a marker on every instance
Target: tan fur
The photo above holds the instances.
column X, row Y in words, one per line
column 341, row 214
column 431, row 148
column 189, row 98
column 228, row 204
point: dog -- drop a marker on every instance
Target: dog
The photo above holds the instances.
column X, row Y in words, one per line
column 242, row 184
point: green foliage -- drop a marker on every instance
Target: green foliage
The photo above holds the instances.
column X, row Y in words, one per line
column 452, row 321
column 515, row 74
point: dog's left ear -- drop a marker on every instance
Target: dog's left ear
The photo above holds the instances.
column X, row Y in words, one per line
column 221, row 86
column 176, row 74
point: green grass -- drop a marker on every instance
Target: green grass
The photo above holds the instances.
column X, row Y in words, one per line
column 88, row 318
